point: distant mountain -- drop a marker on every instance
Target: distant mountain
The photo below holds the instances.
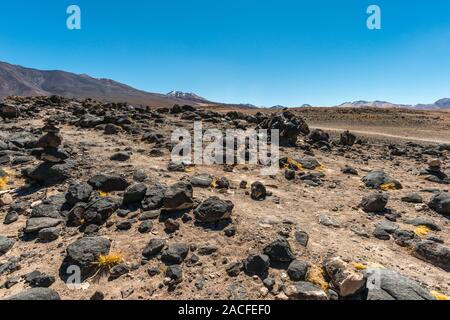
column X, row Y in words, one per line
column 440, row 104
column 372, row 104
column 245, row 106
column 277, row 107
column 21, row 81
column 186, row 96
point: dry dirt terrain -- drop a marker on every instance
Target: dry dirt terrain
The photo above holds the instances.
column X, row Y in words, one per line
column 92, row 185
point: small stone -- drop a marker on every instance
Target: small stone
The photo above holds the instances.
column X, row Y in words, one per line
column 120, row 156
column 230, row 231
column 118, row 270
column 124, row 225
column 6, row 199
column 234, row 269
column 97, row 296
column 279, row 251
column 154, row 247
column 298, row 270
column 375, row 202
column 269, row 283
column 302, row 238
column 302, row 290
column 153, row 271
column 145, row 227
column 37, row 279
column 207, row 250
column 175, row 253
column 381, row 234
column 257, row 264
column 171, row 225
column 11, row 217
column 258, row 191
column 5, row 245
column 328, row 221
column 214, row 209
column 175, row 273
column 49, row 234
column 344, row 278
column 412, row 198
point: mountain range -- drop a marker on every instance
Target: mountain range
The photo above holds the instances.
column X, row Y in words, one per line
column 440, row 104
column 21, row 81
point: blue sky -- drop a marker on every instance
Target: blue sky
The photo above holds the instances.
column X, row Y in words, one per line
column 251, row 51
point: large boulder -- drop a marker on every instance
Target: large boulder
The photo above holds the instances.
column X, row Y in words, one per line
column 49, row 208
column 49, row 140
column 154, row 247
column 318, row 135
column 434, row 253
column 347, row 138
column 99, row 210
column 214, row 209
column 441, row 203
column 202, row 181
column 49, row 174
column 154, row 197
column 175, row 253
column 108, row 183
column 78, row 192
column 135, row 193
column 178, row 197
column 5, row 245
column 380, row 180
column 257, row 264
column 375, row 202
column 384, row 284
column 85, row 253
column 34, row 225
column 345, row 279
column 43, row 294
column 279, row 251
column 298, row 270
column 303, row 290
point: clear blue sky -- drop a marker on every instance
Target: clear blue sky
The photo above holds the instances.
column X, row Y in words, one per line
column 251, row 51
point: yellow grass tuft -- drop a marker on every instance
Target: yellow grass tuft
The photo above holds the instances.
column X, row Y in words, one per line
column 109, row 260
column 297, row 165
column 359, row 266
column 316, row 275
column 4, row 183
column 388, row 186
column 439, row 296
column 4, row 179
column 320, row 168
column 422, row 230
column 103, row 194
